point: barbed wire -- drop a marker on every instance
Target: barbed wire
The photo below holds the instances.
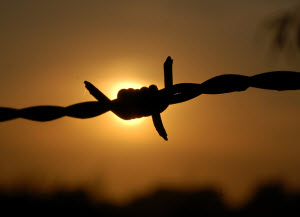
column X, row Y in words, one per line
column 149, row 101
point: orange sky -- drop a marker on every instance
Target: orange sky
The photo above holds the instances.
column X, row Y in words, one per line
column 233, row 141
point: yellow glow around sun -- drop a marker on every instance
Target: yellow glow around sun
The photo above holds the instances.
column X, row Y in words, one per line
column 113, row 92
column 123, row 85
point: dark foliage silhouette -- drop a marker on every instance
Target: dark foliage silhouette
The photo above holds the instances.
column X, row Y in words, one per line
column 268, row 200
column 285, row 29
column 137, row 103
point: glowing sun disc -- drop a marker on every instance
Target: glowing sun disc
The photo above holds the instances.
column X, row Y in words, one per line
column 129, row 122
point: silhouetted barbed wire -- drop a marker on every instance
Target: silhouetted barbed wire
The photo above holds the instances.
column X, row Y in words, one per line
column 137, row 103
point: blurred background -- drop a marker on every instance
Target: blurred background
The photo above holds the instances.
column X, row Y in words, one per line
column 230, row 142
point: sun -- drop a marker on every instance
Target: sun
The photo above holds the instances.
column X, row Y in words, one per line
column 113, row 92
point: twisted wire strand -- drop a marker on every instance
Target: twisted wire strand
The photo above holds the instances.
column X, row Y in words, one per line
column 49, row 113
column 227, row 83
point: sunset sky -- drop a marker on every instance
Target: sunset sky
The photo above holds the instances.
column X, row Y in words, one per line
column 232, row 141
